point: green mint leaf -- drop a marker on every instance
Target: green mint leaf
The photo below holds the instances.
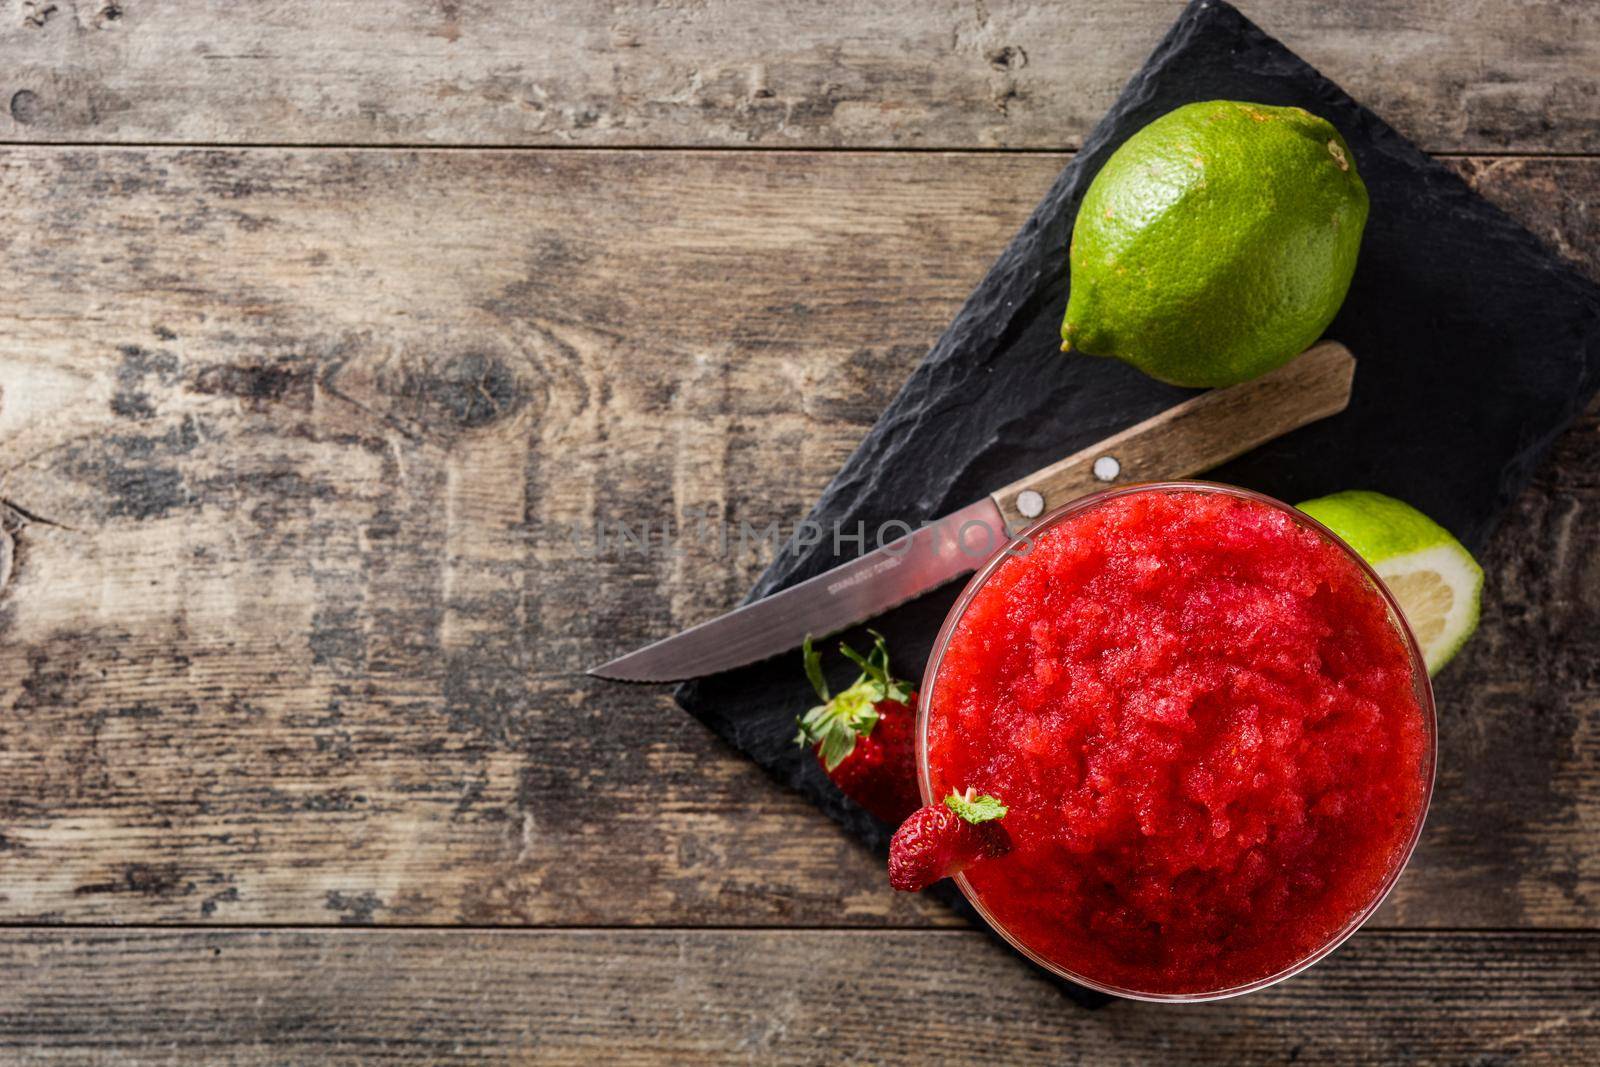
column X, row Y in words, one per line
column 813, row 661
column 975, row 809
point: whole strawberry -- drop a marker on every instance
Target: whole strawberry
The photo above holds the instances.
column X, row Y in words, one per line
column 938, row 841
column 865, row 736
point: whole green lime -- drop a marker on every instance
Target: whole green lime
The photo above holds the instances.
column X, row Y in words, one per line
column 1216, row 244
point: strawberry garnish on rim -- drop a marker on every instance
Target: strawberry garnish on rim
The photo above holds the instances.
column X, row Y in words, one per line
column 864, row 735
column 940, row 840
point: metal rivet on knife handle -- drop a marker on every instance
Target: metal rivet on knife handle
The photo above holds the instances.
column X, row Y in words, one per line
column 1191, row 438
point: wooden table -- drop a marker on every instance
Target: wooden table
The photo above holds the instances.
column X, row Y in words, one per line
column 320, row 327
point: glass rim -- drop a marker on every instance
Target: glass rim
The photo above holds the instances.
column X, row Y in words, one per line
column 1424, row 692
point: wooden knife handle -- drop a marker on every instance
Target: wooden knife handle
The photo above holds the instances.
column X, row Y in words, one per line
column 1192, row 437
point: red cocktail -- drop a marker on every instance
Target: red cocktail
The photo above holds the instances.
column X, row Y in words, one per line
column 1212, row 728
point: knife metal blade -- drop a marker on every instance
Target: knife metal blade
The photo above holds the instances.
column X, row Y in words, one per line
column 866, row 586
column 1185, row 440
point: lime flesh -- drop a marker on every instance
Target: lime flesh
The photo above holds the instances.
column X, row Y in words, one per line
column 1437, row 583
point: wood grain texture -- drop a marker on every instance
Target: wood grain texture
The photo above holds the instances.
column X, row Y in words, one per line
column 1483, row 75
column 562, row 997
column 293, row 442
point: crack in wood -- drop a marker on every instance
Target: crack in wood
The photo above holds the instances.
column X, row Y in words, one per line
column 326, row 383
column 15, row 516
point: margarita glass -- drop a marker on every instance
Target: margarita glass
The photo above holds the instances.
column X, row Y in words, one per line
column 1212, row 727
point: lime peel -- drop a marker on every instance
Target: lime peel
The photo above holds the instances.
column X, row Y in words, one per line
column 1216, row 243
column 1437, row 583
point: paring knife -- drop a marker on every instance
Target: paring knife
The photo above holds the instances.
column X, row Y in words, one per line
column 1182, row 441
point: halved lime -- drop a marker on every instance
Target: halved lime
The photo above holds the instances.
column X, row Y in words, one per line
column 1437, row 582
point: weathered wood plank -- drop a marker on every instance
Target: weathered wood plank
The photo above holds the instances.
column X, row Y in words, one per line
column 1516, row 75
column 702, row 997
column 307, row 642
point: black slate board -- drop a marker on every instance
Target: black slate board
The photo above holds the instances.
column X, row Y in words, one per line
column 1475, row 346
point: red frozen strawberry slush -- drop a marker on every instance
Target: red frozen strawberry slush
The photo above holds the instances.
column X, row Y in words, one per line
column 1209, row 732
